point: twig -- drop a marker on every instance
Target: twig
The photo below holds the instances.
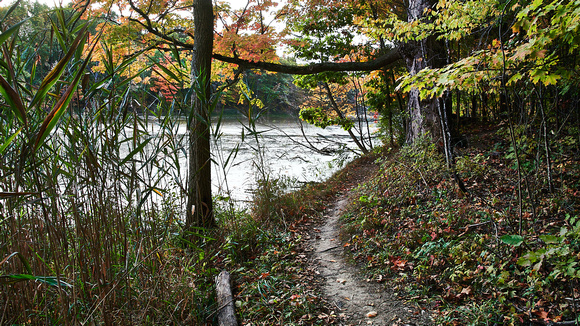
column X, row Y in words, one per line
column 477, row 224
column 329, row 249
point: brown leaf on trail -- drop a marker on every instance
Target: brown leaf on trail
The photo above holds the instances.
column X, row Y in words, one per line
column 372, row 314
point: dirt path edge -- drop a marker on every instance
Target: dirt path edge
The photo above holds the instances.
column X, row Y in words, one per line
column 355, row 300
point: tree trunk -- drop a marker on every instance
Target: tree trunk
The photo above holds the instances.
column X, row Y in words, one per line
column 199, row 209
column 423, row 114
column 474, row 107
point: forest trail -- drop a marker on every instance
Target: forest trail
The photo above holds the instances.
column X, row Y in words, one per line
column 354, row 300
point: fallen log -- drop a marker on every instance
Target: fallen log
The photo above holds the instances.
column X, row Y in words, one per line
column 226, row 311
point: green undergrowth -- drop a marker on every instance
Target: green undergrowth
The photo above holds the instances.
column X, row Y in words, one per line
column 273, row 285
column 472, row 258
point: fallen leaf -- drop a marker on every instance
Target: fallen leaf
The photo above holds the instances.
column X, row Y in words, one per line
column 399, row 263
column 372, row 314
column 341, row 280
column 541, row 313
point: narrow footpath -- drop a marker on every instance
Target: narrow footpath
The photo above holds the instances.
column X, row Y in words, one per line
column 356, row 301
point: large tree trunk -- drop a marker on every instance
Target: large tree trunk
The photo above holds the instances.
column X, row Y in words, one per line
column 423, row 114
column 423, row 118
column 199, row 209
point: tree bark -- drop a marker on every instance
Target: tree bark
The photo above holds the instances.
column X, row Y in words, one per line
column 199, row 208
column 423, row 117
column 226, row 311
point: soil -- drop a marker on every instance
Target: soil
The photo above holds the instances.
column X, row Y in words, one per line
column 355, row 300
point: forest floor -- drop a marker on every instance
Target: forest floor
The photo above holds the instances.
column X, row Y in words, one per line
column 392, row 240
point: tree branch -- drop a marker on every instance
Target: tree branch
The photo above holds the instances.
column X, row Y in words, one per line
column 384, row 60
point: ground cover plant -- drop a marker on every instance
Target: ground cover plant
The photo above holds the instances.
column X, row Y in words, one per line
column 471, row 257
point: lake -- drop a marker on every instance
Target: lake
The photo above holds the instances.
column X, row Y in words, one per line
column 281, row 149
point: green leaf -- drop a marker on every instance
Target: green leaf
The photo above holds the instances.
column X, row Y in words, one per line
column 9, row 141
column 551, row 239
column 13, row 99
column 22, row 260
column 7, row 33
column 12, row 8
column 15, row 278
column 57, row 71
column 512, row 240
column 58, row 110
column 525, row 261
column 170, row 73
column 135, row 151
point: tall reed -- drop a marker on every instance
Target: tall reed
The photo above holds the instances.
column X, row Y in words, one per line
column 91, row 193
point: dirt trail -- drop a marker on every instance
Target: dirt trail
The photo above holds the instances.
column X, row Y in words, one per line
column 353, row 298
